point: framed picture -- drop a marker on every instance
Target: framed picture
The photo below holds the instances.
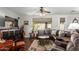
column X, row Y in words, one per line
column 26, row 22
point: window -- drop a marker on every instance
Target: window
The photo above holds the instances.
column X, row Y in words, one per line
column 11, row 22
column 8, row 24
column 49, row 25
column 40, row 26
column 62, row 21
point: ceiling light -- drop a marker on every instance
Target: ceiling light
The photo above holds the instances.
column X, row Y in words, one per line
column 43, row 14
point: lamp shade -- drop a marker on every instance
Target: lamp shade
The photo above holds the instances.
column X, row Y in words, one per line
column 73, row 26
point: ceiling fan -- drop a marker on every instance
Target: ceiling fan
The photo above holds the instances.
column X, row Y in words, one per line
column 75, row 11
column 44, row 10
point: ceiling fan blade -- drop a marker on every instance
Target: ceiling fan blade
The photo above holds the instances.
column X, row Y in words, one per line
column 47, row 11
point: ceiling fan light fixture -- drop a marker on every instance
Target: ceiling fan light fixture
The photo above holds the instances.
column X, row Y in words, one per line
column 43, row 14
column 45, row 9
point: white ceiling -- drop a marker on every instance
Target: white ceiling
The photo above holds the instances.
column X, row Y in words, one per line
column 36, row 10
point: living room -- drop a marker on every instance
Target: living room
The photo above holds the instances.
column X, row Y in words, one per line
column 22, row 27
